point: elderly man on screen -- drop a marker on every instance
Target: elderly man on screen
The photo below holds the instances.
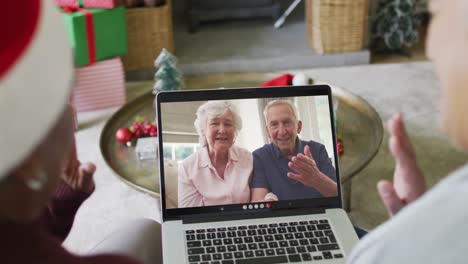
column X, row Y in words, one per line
column 290, row 168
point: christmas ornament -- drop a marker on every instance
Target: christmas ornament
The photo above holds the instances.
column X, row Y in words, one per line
column 168, row 77
column 139, row 128
column 340, row 147
column 123, row 135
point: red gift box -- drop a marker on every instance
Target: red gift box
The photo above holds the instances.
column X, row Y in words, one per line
column 89, row 3
column 100, row 85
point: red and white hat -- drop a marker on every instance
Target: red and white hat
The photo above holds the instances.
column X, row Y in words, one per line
column 36, row 74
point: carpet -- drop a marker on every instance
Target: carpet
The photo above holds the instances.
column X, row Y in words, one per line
column 408, row 88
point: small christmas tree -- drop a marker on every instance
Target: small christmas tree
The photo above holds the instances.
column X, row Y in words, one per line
column 396, row 24
column 168, row 77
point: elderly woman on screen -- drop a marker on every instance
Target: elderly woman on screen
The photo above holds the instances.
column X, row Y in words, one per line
column 219, row 172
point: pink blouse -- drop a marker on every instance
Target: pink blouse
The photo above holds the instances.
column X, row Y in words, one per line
column 200, row 184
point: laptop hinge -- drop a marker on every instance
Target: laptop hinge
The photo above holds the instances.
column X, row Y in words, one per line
column 231, row 217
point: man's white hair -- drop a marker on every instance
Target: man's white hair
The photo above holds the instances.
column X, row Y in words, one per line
column 276, row 103
column 213, row 109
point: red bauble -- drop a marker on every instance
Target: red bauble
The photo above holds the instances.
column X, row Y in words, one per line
column 340, row 147
column 139, row 128
column 153, row 131
column 123, row 135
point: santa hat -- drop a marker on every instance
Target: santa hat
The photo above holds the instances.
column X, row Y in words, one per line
column 36, row 72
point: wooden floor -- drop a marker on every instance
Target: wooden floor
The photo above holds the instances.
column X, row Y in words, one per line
column 417, row 53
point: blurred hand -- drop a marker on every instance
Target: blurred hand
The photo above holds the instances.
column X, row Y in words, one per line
column 79, row 176
column 408, row 181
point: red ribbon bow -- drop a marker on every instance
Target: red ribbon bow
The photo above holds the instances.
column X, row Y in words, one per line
column 69, row 9
column 89, row 22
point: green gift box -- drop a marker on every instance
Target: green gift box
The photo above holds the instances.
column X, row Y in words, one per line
column 96, row 34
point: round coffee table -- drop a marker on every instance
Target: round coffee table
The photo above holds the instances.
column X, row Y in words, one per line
column 358, row 124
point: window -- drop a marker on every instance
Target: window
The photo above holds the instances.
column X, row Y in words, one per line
column 178, row 151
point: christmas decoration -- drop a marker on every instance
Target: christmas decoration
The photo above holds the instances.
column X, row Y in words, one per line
column 395, row 24
column 96, row 34
column 89, row 3
column 168, row 77
column 139, row 128
column 283, row 80
column 339, row 146
column 123, row 135
column 300, row 79
column 99, row 86
column 147, row 148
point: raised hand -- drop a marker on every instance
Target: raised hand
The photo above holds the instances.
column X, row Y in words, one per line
column 408, row 181
column 305, row 167
column 79, row 176
column 308, row 173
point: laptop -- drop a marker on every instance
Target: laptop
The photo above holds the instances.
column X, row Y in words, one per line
column 302, row 228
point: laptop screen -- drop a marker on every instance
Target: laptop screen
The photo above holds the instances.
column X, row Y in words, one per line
column 242, row 151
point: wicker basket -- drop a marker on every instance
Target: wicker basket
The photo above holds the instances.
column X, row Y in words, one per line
column 336, row 25
column 149, row 31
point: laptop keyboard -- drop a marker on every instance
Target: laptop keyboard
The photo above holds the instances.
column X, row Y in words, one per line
column 265, row 243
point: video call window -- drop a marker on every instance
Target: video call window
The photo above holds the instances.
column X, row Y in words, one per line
column 181, row 142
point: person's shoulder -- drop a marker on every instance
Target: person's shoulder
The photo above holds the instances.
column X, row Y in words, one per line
column 458, row 177
column 312, row 143
column 262, row 150
column 315, row 147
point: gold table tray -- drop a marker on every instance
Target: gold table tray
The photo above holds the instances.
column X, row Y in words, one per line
column 359, row 125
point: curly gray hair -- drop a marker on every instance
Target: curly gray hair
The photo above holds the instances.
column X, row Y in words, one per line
column 212, row 109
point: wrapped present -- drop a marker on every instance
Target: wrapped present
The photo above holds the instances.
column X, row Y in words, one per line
column 89, row 3
column 96, row 34
column 99, row 86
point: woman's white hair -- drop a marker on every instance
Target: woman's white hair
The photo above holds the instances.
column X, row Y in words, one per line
column 213, row 109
